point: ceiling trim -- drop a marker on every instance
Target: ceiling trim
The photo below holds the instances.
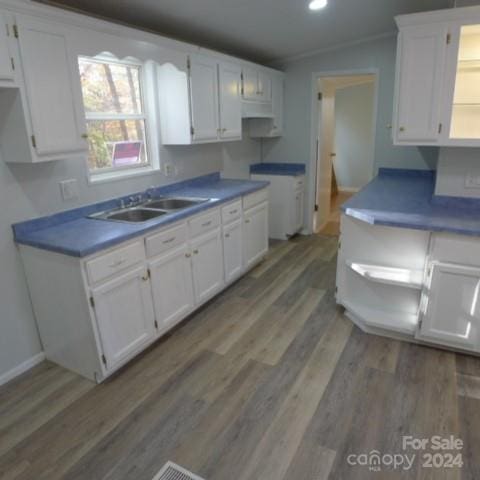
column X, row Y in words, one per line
column 332, row 48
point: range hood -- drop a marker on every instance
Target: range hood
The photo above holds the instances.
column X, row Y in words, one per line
column 257, row 110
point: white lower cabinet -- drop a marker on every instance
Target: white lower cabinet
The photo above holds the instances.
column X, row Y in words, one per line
column 451, row 308
column 172, row 287
column 124, row 316
column 207, row 261
column 299, row 202
column 255, row 233
column 232, row 250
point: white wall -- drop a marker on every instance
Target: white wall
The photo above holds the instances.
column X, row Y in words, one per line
column 295, row 145
column 354, row 145
column 27, row 191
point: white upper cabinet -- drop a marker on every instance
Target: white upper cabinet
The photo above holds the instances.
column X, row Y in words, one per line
column 54, row 105
column 7, row 69
column 420, row 75
column 438, row 79
column 271, row 127
column 229, row 76
column 256, row 85
column 204, row 99
column 201, row 105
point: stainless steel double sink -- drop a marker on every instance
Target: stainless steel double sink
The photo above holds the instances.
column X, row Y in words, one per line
column 149, row 209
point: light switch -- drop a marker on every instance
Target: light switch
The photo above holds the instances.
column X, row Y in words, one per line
column 69, row 189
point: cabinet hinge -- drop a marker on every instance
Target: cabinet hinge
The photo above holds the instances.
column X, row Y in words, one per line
column 316, row 208
column 156, row 324
column 34, row 141
column 149, row 273
column 440, row 126
column 192, row 130
column 15, row 31
column 92, row 302
column 104, row 360
column 13, row 63
column 449, row 38
column 188, row 63
column 320, row 96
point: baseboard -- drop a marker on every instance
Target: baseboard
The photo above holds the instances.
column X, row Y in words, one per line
column 23, row 367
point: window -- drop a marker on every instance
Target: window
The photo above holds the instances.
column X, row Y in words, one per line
column 115, row 115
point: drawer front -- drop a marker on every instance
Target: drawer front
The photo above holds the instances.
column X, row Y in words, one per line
column 299, row 183
column 165, row 240
column 105, row 266
column 255, row 198
column 451, row 248
column 232, row 211
column 204, row 223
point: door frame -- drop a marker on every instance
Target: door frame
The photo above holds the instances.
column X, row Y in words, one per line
column 315, row 125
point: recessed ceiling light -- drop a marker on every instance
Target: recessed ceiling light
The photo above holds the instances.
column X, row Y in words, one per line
column 317, row 4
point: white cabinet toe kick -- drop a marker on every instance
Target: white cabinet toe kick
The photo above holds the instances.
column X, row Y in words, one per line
column 411, row 285
column 96, row 313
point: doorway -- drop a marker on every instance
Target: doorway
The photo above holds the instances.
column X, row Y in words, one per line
column 345, row 143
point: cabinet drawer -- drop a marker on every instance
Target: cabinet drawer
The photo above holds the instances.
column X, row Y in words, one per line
column 103, row 267
column 204, row 223
column 299, row 183
column 451, row 248
column 165, row 240
column 255, row 198
column 232, row 211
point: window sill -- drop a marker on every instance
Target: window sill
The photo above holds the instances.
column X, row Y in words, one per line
column 98, row 178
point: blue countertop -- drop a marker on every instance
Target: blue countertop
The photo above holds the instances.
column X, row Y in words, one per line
column 405, row 198
column 286, row 169
column 71, row 233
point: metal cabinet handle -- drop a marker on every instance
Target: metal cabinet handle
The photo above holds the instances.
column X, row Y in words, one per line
column 146, row 277
column 247, row 221
column 188, row 255
column 206, row 224
column 85, row 136
column 402, row 129
column 227, row 235
column 170, row 240
column 233, row 212
column 195, row 252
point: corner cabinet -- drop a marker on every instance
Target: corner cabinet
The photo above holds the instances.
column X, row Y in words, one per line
column 437, row 95
column 96, row 313
column 201, row 104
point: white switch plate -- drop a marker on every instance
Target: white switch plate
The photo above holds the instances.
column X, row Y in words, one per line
column 69, row 189
column 170, row 170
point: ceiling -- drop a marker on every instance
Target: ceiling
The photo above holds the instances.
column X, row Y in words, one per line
column 260, row 30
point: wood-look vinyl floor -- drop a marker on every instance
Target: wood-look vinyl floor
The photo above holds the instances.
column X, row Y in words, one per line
column 269, row 381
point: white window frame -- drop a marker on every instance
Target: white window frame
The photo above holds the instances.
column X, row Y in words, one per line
column 147, row 116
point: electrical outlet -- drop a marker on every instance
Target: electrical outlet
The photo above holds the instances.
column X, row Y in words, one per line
column 170, row 170
column 472, row 180
column 69, row 189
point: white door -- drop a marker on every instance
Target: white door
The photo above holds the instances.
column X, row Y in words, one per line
column 277, row 105
column 255, row 234
column 250, row 83
column 298, row 210
column 230, row 101
column 233, row 250
column 452, row 312
column 326, row 138
column 48, row 68
column 207, row 261
column 204, row 98
column 420, row 76
column 6, row 67
column 264, row 87
column 172, row 288
column 124, row 313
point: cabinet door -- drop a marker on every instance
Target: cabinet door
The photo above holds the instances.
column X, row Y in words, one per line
column 230, row 101
column 233, row 250
column 6, row 67
column 277, row 105
column 204, row 99
column 48, row 68
column 207, row 261
column 452, row 312
column 250, row 83
column 171, row 277
column 124, row 313
column 264, row 87
column 255, row 234
column 298, row 210
column 420, row 75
